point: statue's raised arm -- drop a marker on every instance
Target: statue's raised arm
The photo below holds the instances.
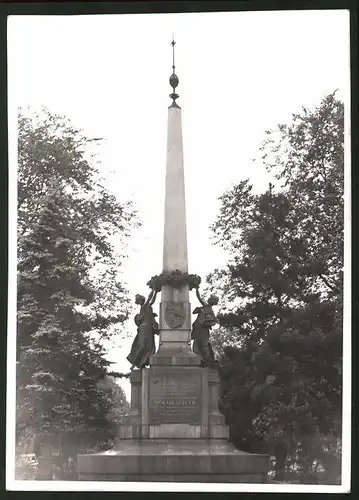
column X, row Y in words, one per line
column 200, row 298
column 149, row 299
column 152, row 297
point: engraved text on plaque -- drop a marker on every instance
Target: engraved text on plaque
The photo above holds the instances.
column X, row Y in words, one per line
column 175, row 396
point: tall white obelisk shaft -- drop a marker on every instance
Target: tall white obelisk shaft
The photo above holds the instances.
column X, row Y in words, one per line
column 175, row 231
column 175, row 309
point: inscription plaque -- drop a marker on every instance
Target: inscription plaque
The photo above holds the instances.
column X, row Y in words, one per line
column 175, row 396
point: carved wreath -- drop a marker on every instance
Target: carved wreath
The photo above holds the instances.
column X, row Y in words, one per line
column 176, row 279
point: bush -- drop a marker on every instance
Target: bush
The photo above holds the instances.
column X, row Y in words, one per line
column 26, row 466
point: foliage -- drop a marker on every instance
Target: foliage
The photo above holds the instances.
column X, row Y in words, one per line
column 308, row 160
column 119, row 404
column 176, row 279
column 281, row 367
column 26, row 467
column 53, row 154
column 63, row 311
column 58, row 367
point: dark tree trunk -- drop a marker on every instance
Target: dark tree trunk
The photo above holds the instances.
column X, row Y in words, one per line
column 280, row 458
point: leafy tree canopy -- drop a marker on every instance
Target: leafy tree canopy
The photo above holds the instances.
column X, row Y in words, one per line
column 53, row 154
column 281, row 367
column 70, row 292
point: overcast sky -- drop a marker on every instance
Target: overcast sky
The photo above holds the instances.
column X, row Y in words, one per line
column 239, row 74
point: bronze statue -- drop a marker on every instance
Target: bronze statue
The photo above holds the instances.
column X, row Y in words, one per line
column 143, row 345
column 206, row 319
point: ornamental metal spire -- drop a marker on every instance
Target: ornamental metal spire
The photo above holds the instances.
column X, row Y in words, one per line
column 173, row 78
column 173, row 43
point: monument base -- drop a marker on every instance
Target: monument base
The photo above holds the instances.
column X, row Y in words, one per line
column 174, row 460
column 174, row 432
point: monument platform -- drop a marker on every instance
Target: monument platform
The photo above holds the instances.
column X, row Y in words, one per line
column 174, row 432
column 179, row 460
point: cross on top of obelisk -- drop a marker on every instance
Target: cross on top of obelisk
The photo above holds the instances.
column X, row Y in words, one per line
column 173, row 78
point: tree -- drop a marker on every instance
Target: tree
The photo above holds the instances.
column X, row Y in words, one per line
column 307, row 158
column 51, row 152
column 281, row 374
column 63, row 310
column 119, row 404
column 58, row 368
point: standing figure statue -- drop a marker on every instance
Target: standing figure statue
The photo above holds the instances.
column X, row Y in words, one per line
column 201, row 328
column 143, row 345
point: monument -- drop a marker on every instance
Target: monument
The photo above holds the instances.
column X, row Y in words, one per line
column 174, row 430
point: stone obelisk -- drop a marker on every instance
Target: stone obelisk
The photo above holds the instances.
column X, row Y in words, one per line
column 174, row 430
column 175, row 308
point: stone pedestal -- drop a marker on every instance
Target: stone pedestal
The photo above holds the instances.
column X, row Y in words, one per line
column 174, row 432
column 175, row 329
column 177, row 460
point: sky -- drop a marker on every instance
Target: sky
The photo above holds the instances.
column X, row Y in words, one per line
column 239, row 75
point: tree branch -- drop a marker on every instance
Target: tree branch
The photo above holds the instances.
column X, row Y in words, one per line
column 332, row 287
column 118, row 375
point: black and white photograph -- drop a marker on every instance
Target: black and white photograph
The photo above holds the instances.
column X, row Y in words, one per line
column 179, row 295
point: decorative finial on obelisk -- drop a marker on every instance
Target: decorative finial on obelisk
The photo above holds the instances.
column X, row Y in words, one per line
column 173, row 78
